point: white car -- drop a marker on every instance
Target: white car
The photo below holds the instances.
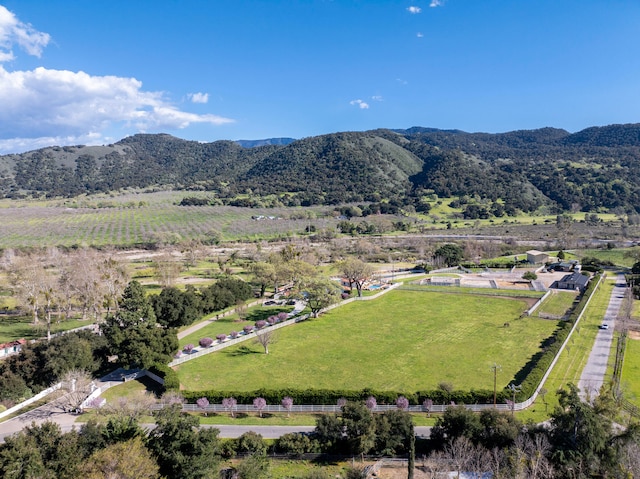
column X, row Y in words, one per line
column 604, row 326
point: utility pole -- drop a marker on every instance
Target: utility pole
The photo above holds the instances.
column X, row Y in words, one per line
column 495, row 368
column 514, row 390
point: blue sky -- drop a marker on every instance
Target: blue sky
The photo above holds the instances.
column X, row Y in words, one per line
column 95, row 71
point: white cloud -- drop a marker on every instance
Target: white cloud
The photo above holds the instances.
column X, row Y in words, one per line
column 361, row 104
column 419, row 35
column 436, row 3
column 401, row 81
column 13, row 31
column 46, row 103
column 377, row 98
column 199, row 97
column 414, row 9
column 45, row 106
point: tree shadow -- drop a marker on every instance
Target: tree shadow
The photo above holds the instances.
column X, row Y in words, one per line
column 263, row 314
column 242, row 351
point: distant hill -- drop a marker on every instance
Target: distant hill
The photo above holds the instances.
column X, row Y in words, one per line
column 268, row 141
column 595, row 169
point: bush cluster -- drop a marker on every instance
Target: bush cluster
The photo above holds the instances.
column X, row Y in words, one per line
column 332, row 396
column 540, row 362
column 171, row 381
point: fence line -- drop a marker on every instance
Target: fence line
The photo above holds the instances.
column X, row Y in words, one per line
column 198, row 352
column 380, row 408
column 533, row 308
column 31, row 400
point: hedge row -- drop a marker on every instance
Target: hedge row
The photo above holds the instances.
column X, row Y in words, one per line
column 537, row 368
column 331, row 396
column 171, row 380
column 552, row 346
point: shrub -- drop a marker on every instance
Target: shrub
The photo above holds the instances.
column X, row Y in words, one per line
column 170, row 377
column 188, row 348
column 247, row 329
column 296, row 443
column 371, row 403
column 287, row 403
column 229, row 404
column 260, row 324
column 221, row 337
column 205, row 342
column 250, row 443
column 282, row 316
column 259, row 404
column 233, row 334
column 272, row 320
column 402, row 402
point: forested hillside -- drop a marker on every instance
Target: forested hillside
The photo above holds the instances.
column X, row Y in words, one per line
column 596, row 169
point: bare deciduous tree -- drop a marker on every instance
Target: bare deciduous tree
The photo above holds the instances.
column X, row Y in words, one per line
column 114, row 279
column 77, row 385
column 133, row 406
column 167, row 270
column 265, row 337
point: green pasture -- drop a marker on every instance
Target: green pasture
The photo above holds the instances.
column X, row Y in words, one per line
column 557, row 303
column 631, row 372
column 17, row 327
column 404, row 340
column 520, row 293
column 618, row 256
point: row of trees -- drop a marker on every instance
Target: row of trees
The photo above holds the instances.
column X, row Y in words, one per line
column 578, row 442
column 53, row 285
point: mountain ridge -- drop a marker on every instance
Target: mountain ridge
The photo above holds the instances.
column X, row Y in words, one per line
column 595, row 169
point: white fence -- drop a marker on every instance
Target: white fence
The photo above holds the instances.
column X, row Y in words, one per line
column 31, row 400
column 436, row 408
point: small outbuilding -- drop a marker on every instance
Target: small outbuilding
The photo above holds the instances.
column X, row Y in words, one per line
column 574, row 281
column 537, row 257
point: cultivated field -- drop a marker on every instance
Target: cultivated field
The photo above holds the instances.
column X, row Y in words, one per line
column 404, row 340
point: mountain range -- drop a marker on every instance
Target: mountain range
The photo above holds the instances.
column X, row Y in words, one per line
column 596, row 169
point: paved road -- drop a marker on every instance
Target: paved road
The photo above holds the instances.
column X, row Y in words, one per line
column 298, row 307
column 595, row 370
column 67, row 423
column 49, row 412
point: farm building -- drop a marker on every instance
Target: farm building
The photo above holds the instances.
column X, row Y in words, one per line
column 537, row 257
column 573, row 281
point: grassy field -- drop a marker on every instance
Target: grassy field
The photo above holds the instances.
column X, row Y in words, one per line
column 557, row 304
column 16, row 327
column 573, row 359
column 618, row 256
column 631, row 372
column 416, row 341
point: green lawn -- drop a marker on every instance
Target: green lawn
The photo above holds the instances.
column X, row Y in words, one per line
column 618, row 256
column 631, row 371
column 558, row 303
column 17, row 327
column 403, row 340
column 572, row 360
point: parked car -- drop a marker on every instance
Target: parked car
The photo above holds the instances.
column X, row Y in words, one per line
column 270, row 303
column 604, row 326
